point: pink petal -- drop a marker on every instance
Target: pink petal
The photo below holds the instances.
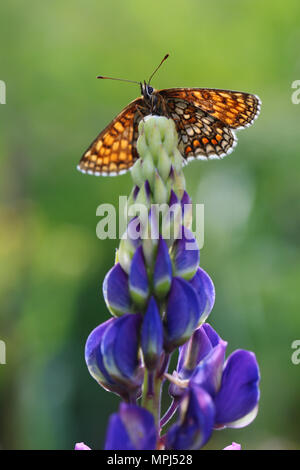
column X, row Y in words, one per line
column 234, row 446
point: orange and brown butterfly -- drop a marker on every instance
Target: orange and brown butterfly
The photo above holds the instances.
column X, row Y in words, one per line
column 206, row 120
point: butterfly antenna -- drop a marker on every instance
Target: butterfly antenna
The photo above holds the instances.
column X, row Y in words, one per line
column 119, row 79
column 151, row 76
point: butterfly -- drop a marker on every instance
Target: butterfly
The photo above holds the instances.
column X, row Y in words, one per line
column 205, row 118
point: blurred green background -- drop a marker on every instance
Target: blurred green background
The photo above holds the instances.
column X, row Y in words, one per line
column 51, row 263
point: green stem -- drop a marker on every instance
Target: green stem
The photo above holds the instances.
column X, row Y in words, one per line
column 151, row 396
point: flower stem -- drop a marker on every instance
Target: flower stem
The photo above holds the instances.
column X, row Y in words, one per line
column 152, row 394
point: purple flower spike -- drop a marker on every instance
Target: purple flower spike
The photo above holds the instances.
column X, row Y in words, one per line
column 185, row 255
column 120, row 357
column 197, row 414
column 138, row 279
column 133, row 428
column 162, row 277
column 205, row 289
column 182, row 313
column 116, row 291
column 237, row 401
column 81, row 446
column 152, row 335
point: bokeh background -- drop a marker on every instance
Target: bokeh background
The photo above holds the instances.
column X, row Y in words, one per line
column 51, row 263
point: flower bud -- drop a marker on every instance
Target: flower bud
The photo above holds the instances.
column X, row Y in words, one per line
column 150, row 240
column 138, row 279
column 160, row 192
column 162, row 277
column 116, row 291
column 120, row 357
column 152, row 335
column 148, row 168
column 182, row 313
column 163, row 163
column 205, row 289
column 129, row 243
column 185, row 255
column 97, row 369
column 136, row 173
column 187, row 210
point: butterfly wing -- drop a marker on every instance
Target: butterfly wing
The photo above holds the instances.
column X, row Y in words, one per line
column 205, row 118
column 234, row 108
column 113, row 152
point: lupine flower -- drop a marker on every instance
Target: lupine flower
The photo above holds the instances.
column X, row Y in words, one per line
column 196, row 420
column 132, row 428
column 113, row 362
column 160, row 298
column 233, row 385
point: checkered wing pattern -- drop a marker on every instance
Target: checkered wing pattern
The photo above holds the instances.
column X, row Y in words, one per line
column 113, row 152
column 206, row 119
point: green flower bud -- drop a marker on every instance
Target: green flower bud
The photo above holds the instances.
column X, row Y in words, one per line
column 160, row 191
column 163, row 163
column 136, row 173
column 148, row 168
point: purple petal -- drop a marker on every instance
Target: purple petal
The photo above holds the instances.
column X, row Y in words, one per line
column 133, row 428
column 93, row 356
column 162, row 277
column 204, row 339
column 187, row 209
column 185, row 254
column 121, row 357
column 182, row 313
column 135, row 192
column 239, row 393
column 138, row 279
column 116, row 292
column 204, row 287
column 197, row 413
column 185, row 199
column 152, row 335
column 173, row 198
column 209, row 372
column 213, row 336
column 81, row 446
column 117, row 437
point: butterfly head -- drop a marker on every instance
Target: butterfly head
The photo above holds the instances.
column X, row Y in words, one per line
column 147, row 91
